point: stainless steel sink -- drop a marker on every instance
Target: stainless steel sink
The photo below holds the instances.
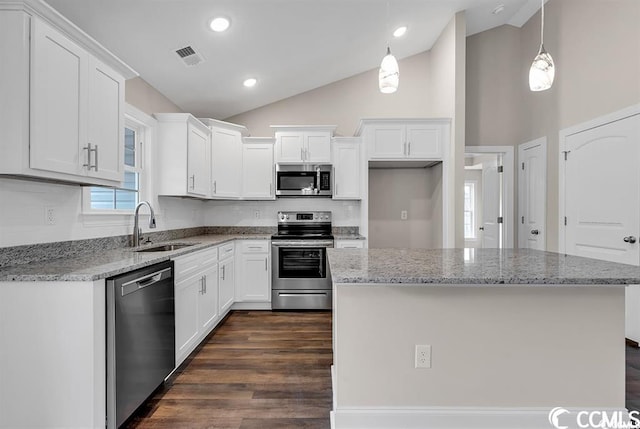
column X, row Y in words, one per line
column 166, row 247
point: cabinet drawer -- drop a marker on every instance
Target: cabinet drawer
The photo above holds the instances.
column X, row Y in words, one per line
column 349, row 244
column 187, row 265
column 252, row 246
column 225, row 251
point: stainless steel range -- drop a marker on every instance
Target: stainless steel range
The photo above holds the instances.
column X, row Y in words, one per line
column 300, row 280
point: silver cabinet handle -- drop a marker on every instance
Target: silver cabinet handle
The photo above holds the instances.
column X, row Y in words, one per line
column 481, row 228
column 204, row 278
column 336, row 189
column 265, row 264
column 301, row 154
column 201, row 285
column 193, row 181
column 95, row 151
column 270, row 188
column 223, row 270
column 535, row 232
column 409, row 149
column 88, row 163
column 215, row 186
column 630, row 239
column 255, row 247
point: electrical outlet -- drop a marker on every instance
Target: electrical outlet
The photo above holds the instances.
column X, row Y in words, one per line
column 256, row 214
column 49, row 216
column 423, row 356
column 403, row 215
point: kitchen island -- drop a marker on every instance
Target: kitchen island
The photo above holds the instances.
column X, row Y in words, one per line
column 512, row 333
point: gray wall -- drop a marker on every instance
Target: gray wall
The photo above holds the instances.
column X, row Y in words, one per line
column 596, row 48
column 416, row 190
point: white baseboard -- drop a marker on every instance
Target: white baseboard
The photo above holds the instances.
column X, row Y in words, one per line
column 446, row 418
column 251, row 306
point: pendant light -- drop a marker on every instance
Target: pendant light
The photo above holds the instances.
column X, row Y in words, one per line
column 389, row 74
column 542, row 69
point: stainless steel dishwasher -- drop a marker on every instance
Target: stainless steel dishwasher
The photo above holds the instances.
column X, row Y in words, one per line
column 140, row 337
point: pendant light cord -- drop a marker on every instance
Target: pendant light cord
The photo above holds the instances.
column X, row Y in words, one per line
column 542, row 25
column 387, row 26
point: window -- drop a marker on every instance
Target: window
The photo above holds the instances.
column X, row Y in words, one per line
column 123, row 200
column 469, row 210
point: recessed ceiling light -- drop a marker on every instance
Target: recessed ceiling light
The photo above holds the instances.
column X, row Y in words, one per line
column 498, row 10
column 219, row 24
column 399, row 32
column 250, row 82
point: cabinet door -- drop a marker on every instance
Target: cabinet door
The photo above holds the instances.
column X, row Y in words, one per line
column 346, row 171
column 257, row 171
column 289, row 146
column 187, row 294
column 387, row 142
column 424, row 141
column 197, row 162
column 106, row 122
column 226, row 163
column 58, row 100
column 227, row 285
column 317, row 147
column 255, row 277
column 208, row 300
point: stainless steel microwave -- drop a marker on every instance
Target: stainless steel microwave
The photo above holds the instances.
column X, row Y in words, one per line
column 303, row 180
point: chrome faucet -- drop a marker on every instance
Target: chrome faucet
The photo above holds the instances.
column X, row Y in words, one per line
column 137, row 231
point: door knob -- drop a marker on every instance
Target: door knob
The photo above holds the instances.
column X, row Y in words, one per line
column 535, row 232
column 630, row 239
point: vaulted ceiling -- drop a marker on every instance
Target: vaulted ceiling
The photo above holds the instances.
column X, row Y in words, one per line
column 289, row 46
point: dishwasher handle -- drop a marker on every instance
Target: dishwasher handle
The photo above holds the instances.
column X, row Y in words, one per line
column 145, row 281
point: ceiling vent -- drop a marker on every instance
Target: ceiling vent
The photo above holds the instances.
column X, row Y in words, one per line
column 189, row 56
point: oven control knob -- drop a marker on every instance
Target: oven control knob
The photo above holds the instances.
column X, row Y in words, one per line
column 286, row 217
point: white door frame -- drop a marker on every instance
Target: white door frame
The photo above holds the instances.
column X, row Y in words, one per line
column 542, row 141
column 507, row 187
column 564, row 133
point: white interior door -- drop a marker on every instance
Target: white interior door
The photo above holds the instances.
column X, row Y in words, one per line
column 491, row 205
column 602, row 192
column 532, row 194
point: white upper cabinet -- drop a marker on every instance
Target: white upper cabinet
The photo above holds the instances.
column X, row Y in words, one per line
column 62, row 113
column 346, row 168
column 106, row 121
column 297, row 144
column 257, row 169
column 397, row 139
column 226, row 158
column 184, row 156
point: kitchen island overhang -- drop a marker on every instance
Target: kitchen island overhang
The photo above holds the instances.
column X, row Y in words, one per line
column 513, row 334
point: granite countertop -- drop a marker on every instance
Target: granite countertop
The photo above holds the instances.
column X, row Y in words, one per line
column 98, row 264
column 474, row 266
column 349, row 237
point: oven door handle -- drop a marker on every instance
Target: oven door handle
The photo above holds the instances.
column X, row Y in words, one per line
column 291, row 295
column 302, row 243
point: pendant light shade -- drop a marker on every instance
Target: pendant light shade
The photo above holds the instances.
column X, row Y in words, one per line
column 389, row 74
column 542, row 69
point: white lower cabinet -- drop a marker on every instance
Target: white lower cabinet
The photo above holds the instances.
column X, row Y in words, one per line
column 196, row 299
column 226, row 279
column 253, row 272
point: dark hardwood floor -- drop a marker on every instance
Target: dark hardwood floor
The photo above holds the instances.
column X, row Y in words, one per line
column 263, row 369
column 259, row 369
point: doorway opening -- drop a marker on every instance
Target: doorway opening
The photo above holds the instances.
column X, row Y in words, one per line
column 488, row 197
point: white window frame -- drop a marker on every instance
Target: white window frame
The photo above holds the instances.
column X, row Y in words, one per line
column 145, row 127
column 474, row 210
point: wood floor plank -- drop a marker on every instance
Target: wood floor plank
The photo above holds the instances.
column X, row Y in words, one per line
column 259, row 369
